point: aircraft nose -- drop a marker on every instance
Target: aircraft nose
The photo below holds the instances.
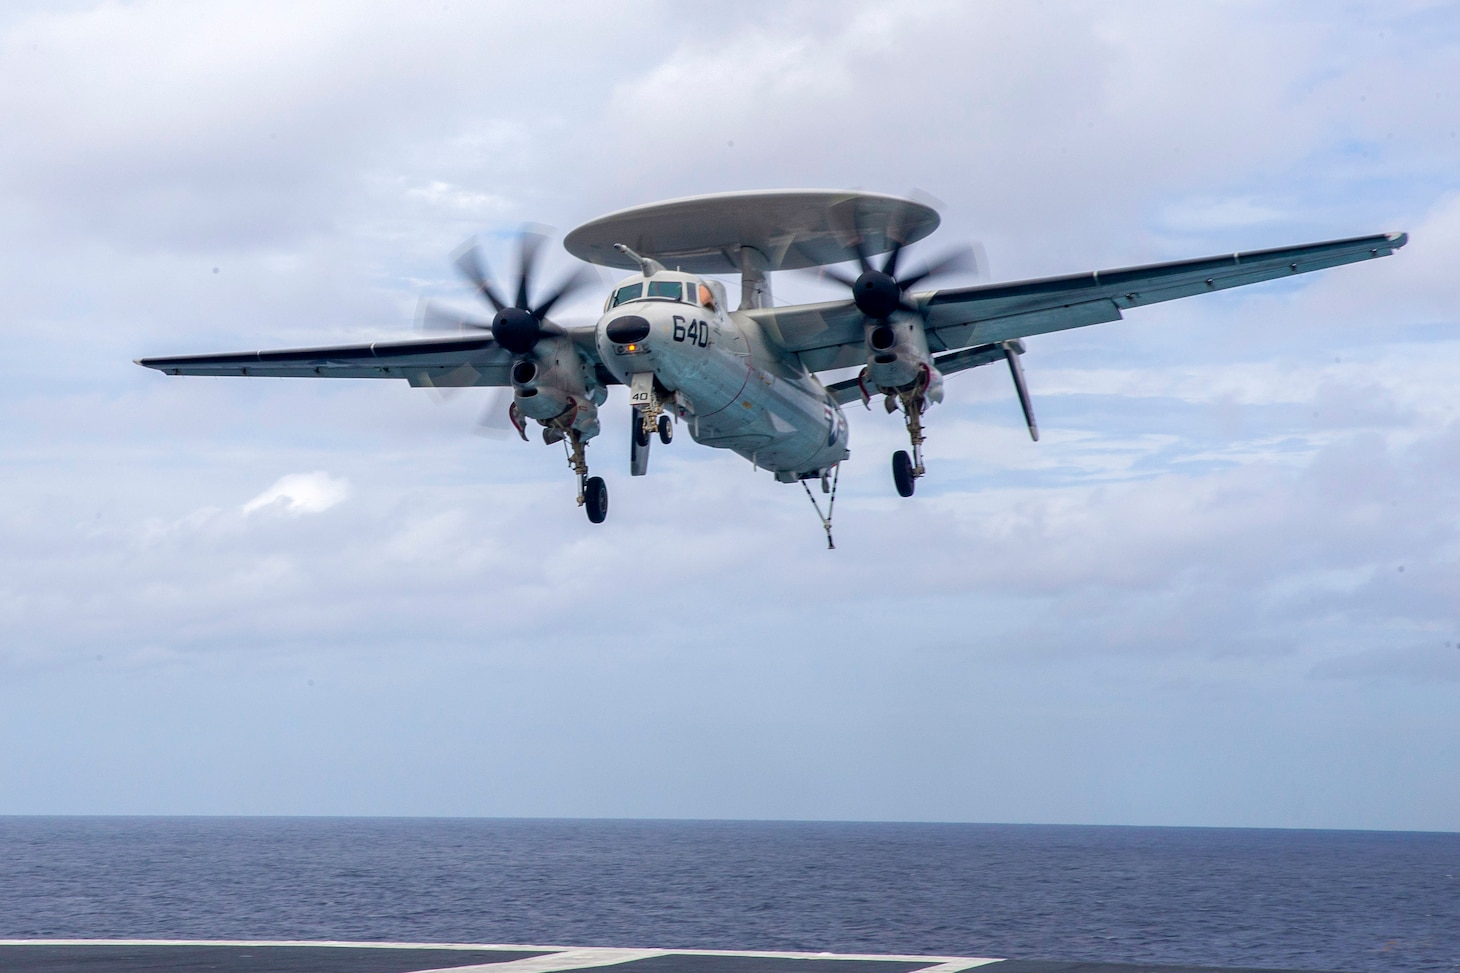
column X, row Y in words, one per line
column 627, row 328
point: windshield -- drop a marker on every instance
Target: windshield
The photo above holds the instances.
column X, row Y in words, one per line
column 666, row 289
column 628, row 292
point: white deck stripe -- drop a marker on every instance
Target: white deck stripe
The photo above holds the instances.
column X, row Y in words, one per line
column 295, row 943
column 953, row 966
column 554, row 960
column 571, row 959
column 319, row 943
column 578, row 959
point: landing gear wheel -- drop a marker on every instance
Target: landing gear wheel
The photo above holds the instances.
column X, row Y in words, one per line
column 666, row 430
column 595, row 499
column 641, row 435
column 902, row 473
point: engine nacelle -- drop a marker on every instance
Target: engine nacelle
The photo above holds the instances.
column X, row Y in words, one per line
column 554, row 385
column 897, row 358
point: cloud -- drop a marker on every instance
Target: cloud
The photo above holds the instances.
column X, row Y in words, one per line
column 1222, row 497
column 301, row 493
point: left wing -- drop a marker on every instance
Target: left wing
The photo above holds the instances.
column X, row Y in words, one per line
column 830, row 335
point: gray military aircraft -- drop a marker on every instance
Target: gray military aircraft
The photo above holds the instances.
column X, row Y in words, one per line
column 747, row 379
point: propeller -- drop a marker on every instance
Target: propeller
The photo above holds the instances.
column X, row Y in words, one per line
column 879, row 293
column 517, row 326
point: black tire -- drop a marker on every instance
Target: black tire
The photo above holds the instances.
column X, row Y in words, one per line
column 641, row 435
column 902, row 473
column 666, row 430
column 595, row 499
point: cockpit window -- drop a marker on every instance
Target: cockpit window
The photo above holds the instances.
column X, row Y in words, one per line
column 665, row 289
column 628, row 292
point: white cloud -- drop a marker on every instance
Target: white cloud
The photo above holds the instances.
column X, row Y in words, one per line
column 301, row 493
column 1216, row 501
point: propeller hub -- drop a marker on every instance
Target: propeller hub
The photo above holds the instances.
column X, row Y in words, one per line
column 876, row 294
column 516, row 329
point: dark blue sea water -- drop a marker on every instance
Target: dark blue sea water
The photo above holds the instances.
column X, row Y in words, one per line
column 1298, row 899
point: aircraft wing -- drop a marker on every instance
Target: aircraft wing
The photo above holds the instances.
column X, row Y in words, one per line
column 830, row 335
column 454, row 362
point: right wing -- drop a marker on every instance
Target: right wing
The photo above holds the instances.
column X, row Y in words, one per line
column 831, row 334
column 1001, row 312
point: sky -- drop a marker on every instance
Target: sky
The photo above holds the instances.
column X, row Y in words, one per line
column 1221, row 590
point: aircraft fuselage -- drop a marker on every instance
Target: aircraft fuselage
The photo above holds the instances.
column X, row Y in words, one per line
column 719, row 374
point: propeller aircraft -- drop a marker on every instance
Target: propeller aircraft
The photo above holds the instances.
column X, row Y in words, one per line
column 748, row 378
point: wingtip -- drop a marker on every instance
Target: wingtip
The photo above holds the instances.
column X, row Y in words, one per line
column 1397, row 239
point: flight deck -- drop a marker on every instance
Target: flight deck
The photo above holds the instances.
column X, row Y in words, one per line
column 149, row 956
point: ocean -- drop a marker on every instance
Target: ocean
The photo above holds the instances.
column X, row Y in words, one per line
column 1330, row 900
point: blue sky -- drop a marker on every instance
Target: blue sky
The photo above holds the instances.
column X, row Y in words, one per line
column 1221, row 590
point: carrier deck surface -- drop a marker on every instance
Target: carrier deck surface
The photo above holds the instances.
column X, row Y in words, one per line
column 144, row 956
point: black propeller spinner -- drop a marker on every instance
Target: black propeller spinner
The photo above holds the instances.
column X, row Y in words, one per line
column 518, row 326
column 878, row 293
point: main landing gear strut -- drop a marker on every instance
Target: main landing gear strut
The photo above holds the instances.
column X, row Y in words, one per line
column 592, row 491
column 906, row 469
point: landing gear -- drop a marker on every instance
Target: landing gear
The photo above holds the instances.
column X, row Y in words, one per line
column 666, row 430
column 595, row 499
column 648, row 408
column 902, row 473
column 592, row 491
column 906, row 468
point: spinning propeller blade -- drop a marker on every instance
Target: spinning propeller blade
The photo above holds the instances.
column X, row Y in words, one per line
column 519, row 326
column 829, row 273
column 494, row 421
column 473, row 268
column 529, row 243
column 877, row 291
column 576, row 281
column 435, row 318
column 960, row 260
